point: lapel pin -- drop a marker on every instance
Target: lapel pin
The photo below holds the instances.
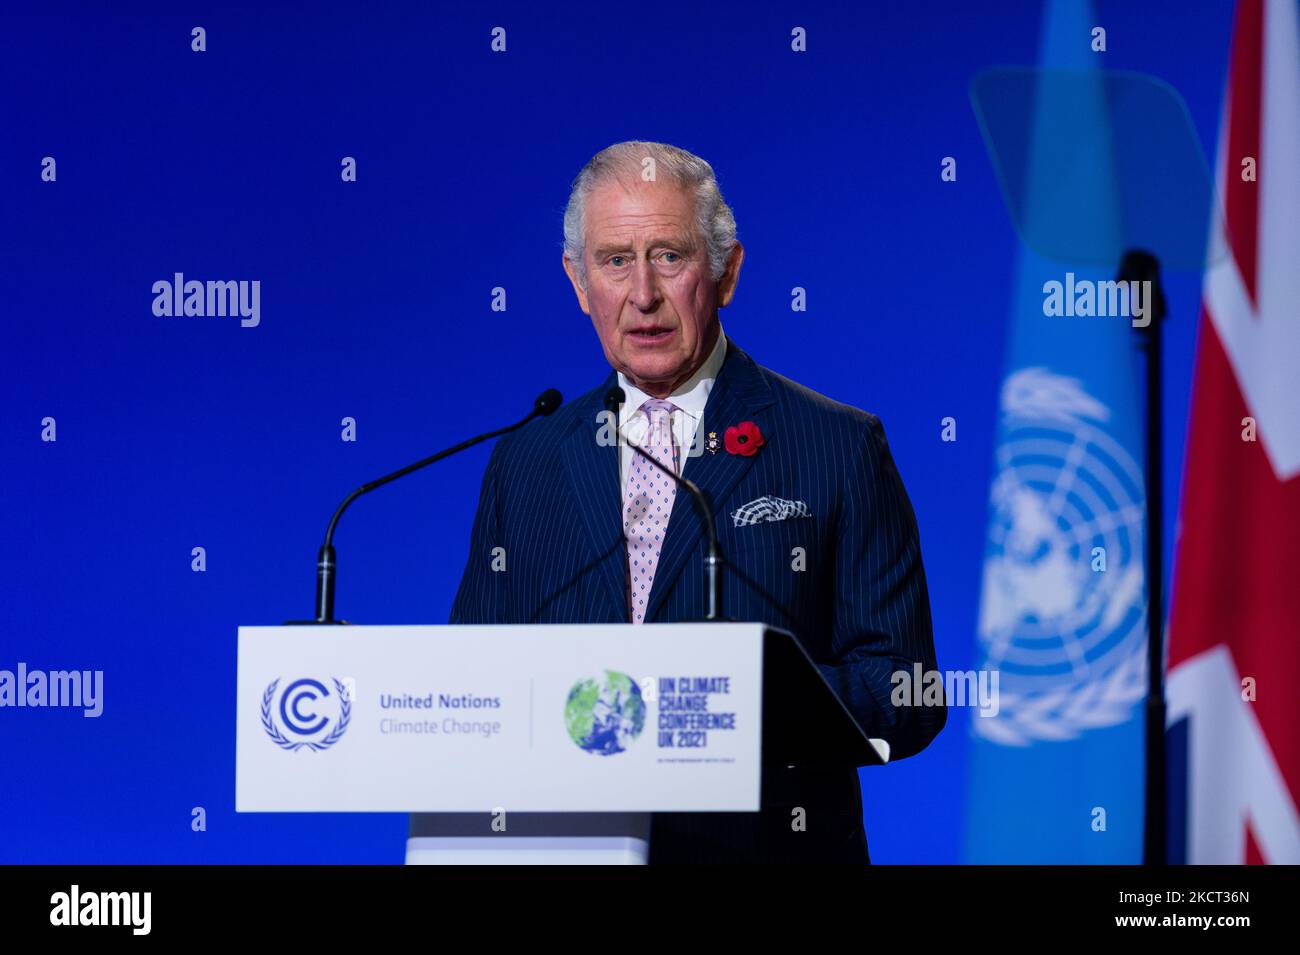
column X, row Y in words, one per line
column 711, row 444
column 744, row 439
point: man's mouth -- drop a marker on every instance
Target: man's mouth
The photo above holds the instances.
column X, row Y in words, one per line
column 651, row 334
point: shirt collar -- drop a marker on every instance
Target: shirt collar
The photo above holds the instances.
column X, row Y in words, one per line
column 691, row 395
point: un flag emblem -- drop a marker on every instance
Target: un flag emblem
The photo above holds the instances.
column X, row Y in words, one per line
column 1066, row 633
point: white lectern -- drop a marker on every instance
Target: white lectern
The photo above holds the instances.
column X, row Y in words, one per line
column 595, row 725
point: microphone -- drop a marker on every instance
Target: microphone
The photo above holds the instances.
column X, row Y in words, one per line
column 545, row 404
column 713, row 561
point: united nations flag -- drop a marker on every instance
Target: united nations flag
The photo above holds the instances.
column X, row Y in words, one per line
column 1056, row 772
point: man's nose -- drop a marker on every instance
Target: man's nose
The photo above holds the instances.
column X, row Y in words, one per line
column 645, row 291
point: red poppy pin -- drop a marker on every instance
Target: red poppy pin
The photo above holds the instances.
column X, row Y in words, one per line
column 744, row 439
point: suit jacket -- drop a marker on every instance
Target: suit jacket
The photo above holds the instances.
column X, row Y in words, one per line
column 551, row 497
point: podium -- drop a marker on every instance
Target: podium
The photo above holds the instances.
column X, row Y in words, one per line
column 583, row 730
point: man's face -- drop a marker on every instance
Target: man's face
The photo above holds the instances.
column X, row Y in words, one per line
column 649, row 292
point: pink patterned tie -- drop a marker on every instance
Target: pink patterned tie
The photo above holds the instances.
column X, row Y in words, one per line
column 648, row 503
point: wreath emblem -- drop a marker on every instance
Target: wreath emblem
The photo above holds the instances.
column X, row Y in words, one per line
column 273, row 731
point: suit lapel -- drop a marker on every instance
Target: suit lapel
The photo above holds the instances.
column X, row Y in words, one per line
column 737, row 395
column 593, row 477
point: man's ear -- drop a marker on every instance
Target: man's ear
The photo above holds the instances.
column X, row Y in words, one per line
column 581, row 292
column 727, row 284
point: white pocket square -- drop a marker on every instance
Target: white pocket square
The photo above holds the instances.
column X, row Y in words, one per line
column 768, row 508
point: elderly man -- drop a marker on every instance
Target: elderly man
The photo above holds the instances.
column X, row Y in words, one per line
column 596, row 534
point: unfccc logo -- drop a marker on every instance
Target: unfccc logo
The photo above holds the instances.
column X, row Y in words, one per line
column 300, row 712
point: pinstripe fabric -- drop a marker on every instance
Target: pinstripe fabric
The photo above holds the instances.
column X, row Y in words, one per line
column 857, row 601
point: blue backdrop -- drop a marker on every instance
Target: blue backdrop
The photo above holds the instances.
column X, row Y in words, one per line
column 175, row 433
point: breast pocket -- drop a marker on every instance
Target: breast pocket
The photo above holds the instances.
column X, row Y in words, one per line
column 773, row 570
column 782, row 536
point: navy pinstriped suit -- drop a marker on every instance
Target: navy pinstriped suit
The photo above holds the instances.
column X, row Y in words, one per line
column 551, row 498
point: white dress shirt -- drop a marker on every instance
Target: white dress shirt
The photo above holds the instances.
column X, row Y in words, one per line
column 690, row 398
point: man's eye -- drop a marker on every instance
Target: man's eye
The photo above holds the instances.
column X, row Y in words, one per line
column 672, row 258
column 617, row 261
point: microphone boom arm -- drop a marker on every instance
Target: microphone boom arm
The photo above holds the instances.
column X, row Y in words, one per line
column 326, row 566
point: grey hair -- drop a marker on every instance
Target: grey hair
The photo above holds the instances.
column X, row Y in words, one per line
column 712, row 214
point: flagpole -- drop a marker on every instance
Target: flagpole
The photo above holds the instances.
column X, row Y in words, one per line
column 1137, row 265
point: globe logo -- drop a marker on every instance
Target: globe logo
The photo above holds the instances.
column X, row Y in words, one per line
column 604, row 716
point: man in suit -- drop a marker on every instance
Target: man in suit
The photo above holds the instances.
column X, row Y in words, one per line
column 593, row 533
